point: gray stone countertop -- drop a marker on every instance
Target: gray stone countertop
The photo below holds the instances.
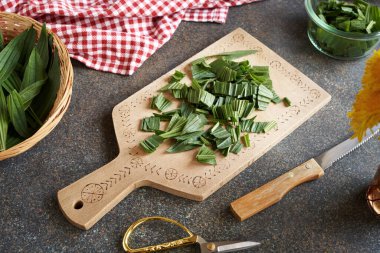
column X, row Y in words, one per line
column 327, row 215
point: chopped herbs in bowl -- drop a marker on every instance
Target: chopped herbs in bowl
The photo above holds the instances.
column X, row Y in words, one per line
column 216, row 111
column 343, row 30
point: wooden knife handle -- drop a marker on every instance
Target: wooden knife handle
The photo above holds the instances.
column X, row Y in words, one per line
column 272, row 192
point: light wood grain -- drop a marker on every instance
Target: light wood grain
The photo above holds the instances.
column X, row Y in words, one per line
column 181, row 174
column 272, row 192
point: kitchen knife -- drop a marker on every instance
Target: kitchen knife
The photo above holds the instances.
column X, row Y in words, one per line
column 272, row 192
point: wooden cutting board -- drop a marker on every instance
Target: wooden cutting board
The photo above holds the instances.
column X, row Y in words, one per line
column 90, row 198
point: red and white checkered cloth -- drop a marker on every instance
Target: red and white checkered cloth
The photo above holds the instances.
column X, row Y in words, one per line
column 118, row 36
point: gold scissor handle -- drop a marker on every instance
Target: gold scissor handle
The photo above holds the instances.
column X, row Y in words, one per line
column 191, row 239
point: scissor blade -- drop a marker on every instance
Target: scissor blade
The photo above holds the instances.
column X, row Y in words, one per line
column 234, row 246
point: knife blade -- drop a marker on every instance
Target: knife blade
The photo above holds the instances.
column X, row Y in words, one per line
column 272, row 192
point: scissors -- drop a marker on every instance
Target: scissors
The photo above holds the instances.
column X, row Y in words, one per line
column 205, row 247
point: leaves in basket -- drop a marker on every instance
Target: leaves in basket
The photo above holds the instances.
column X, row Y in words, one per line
column 43, row 46
column 17, row 114
column 10, row 55
column 3, row 121
column 1, row 41
column 29, row 44
column 29, row 78
column 45, row 100
column 13, row 82
column 34, row 70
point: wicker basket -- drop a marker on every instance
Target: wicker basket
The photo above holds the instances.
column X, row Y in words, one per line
column 11, row 25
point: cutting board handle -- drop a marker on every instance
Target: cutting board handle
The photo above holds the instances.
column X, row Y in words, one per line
column 87, row 200
column 272, row 192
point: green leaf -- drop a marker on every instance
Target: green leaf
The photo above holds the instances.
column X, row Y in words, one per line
column 13, row 82
column 219, row 132
column 30, row 92
column 177, row 76
column 150, row 124
column 151, row 144
column 237, row 54
column 43, row 47
column 175, row 127
column 276, row 99
column 51, row 49
column 201, row 71
column 287, row 101
column 1, row 41
column 29, row 43
column 34, row 70
column 236, row 148
column 160, row 102
column 205, row 155
column 195, row 123
column 246, row 140
column 250, row 125
column 17, row 114
column 193, row 135
column 181, row 146
column 223, row 70
column 173, row 86
column 10, row 55
column 13, row 141
column 4, row 121
column 223, row 143
column 44, row 102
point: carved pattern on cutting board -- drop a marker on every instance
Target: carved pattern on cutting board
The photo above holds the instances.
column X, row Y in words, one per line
column 94, row 192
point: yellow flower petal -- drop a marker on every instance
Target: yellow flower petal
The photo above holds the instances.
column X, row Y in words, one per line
column 371, row 76
column 365, row 111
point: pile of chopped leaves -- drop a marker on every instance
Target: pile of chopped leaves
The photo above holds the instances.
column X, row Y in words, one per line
column 29, row 81
column 358, row 16
column 215, row 109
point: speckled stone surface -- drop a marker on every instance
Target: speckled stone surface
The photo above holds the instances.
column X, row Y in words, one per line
column 327, row 215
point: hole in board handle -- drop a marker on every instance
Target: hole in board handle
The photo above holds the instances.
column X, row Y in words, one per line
column 78, row 205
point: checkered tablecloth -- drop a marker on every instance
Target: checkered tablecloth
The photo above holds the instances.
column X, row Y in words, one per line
column 118, row 35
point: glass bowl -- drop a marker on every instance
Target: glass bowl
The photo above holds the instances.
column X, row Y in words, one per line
column 336, row 43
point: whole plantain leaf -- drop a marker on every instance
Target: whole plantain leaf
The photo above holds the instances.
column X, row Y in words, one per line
column 10, row 55
column 3, row 121
column 43, row 103
column 1, row 41
column 13, row 82
column 43, row 46
column 30, row 92
column 17, row 114
column 34, row 70
column 29, row 43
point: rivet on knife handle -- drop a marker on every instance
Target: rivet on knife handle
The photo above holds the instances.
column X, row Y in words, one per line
column 272, row 192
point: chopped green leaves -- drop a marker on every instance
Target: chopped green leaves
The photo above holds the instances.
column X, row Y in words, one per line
column 356, row 17
column 206, row 155
column 150, row 124
column 160, row 102
column 287, row 102
column 216, row 108
column 246, row 140
column 151, row 144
